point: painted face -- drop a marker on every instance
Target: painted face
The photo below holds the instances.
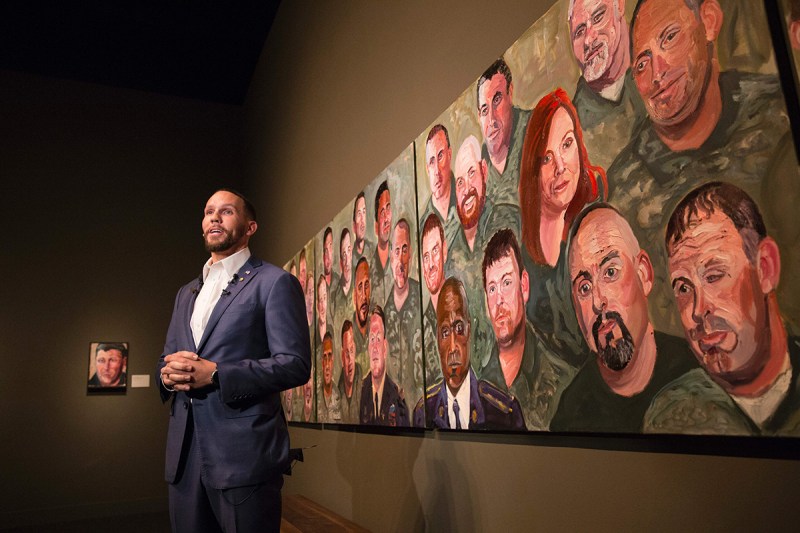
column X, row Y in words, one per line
column 362, row 294
column 293, row 270
column 506, row 298
column 110, row 364
column 309, row 294
column 595, row 28
column 495, row 112
column 327, row 362
column 719, row 296
column 433, row 258
column 671, row 60
column 437, row 162
column 383, row 222
column 452, row 337
column 401, row 254
column 378, row 346
column 225, row 226
column 360, row 219
column 345, row 255
column 610, row 283
column 308, row 399
column 327, row 253
column 322, row 302
column 561, row 165
column 303, row 273
column 349, row 356
column 288, row 395
column 470, row 187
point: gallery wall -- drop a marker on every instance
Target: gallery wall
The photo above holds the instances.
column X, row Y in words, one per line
column 102, row 195
column 330, row 106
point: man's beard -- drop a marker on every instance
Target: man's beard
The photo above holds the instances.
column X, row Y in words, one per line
column 231, row 237
column 615, row 355
column 469, row 221
column 599, row 64
column 362, row 322
column 513, row 333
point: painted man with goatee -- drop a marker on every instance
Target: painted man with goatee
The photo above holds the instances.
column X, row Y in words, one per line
column 611, row 277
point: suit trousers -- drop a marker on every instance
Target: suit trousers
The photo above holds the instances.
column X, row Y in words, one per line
column 197, row 507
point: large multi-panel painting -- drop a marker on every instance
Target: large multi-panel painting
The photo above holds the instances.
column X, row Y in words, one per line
column 298, row 403
column 600, row 238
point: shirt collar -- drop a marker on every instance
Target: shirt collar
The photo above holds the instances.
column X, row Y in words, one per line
column 230, row 264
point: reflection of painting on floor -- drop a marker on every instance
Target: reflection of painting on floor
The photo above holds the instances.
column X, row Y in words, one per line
column 603, row 219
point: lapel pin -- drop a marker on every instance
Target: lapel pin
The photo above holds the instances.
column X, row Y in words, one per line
column 246, row 271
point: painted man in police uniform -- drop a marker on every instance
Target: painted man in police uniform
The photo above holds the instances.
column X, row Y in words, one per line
column 460, row 400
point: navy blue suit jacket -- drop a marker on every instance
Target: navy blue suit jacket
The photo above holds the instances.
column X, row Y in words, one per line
column 258, row 336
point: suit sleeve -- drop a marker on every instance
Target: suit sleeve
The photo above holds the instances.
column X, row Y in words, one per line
column 289, row 362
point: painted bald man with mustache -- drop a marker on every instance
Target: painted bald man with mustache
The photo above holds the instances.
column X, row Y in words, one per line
column 611, row 277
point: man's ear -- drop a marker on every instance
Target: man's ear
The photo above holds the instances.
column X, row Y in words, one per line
column 252, row 226
column 711, row 16
column 768, row 264
column 644, row 269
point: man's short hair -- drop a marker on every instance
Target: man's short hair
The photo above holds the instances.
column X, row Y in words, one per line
column 327, row 337
column 498, row 67
column 249, row 208
column 436, row 129
column 355, row 204
column 694, row 5
column 345, row 233
column 328, row 231
column 455, row 284
column 106, row 346
column 377, row 310
column 292, row 265
column 734, row 203
column 502, row 244
column 320, row 280
column 384, row 186
column 404, row 223
column 346, row 326
column 362, row 259
column 302, row 254
column 431, row 223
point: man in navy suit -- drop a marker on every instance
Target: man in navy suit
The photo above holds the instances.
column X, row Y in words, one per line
column 238, row 336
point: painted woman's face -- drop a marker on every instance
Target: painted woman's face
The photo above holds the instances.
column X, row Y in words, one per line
column 561, row 164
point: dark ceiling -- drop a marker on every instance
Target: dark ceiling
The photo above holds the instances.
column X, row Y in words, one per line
column 203, row 49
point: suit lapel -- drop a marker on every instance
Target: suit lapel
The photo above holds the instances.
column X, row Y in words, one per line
column 243, row 277
column 187, row 322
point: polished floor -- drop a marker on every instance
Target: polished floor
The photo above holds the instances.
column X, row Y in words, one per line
column 142, row 523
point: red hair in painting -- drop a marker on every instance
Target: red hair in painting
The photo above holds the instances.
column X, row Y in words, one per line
column 533, row 150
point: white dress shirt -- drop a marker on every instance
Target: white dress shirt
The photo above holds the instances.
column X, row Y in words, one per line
column 216, row 277
column 463, row 403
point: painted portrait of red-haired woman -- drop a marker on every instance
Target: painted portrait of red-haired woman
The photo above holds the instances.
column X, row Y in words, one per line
column 556, row 178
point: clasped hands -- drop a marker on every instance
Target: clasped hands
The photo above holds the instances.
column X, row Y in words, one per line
column 185, row 371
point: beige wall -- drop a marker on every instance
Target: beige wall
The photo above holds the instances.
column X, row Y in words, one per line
column 341, row 89
column 102, row 191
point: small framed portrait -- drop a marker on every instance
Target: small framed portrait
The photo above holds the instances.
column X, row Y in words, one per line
column 108, row 367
